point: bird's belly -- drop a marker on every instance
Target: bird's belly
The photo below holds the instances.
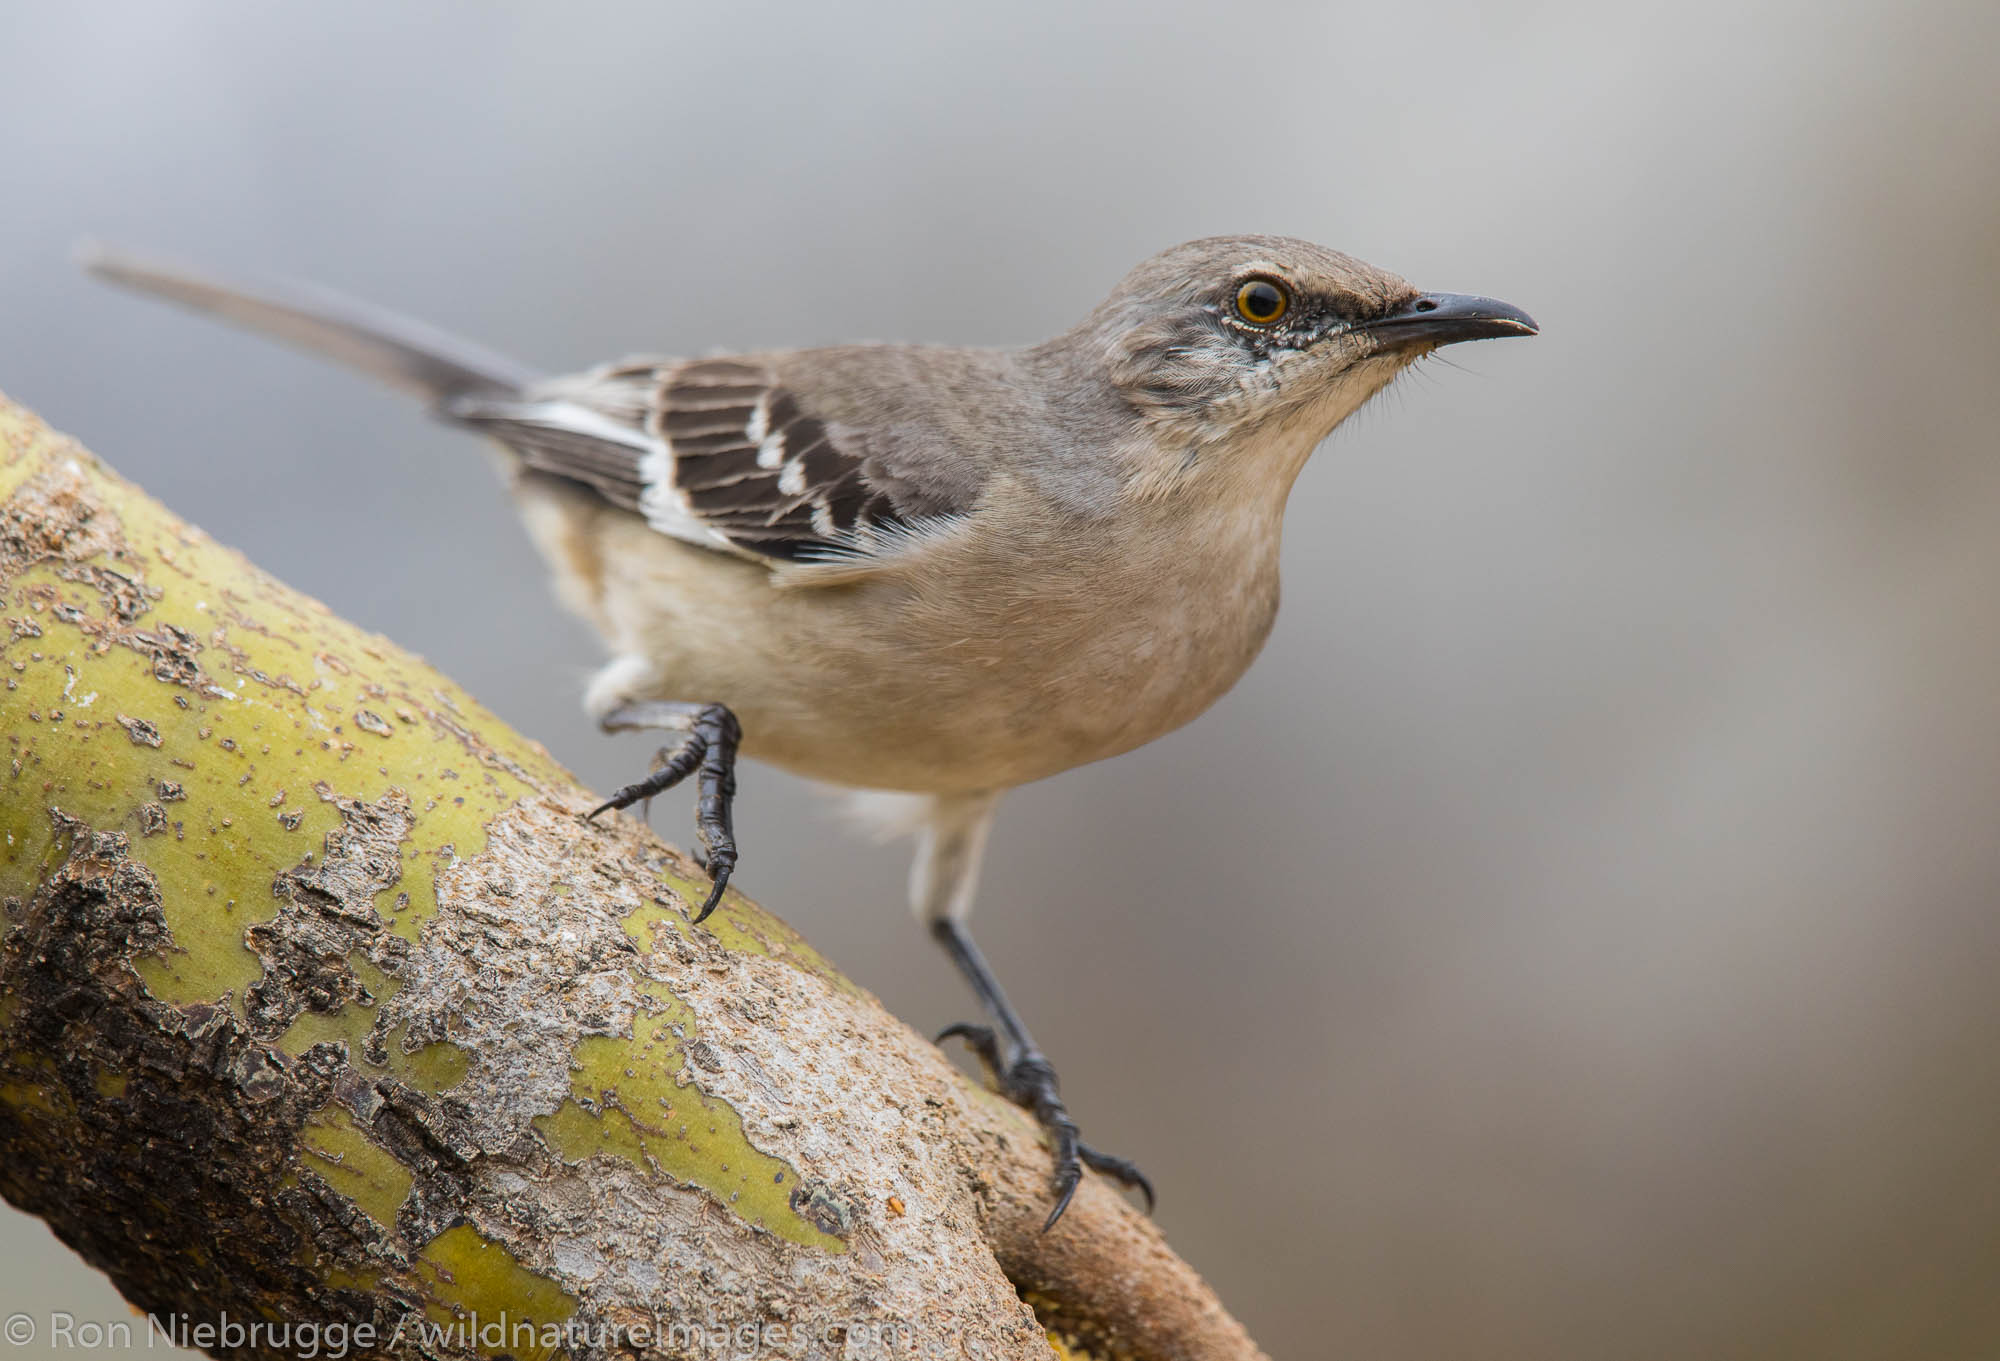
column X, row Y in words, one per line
column 997, row 714
column 965, row 746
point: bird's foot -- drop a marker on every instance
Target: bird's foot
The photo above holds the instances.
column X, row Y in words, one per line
column 709, row 753
column 1029, row 1081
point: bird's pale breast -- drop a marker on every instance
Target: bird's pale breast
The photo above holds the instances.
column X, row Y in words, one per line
column 1001, row 662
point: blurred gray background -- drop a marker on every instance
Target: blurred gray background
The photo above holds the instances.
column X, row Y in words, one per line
column 1577, row 937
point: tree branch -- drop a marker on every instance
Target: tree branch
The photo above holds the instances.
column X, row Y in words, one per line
column 321, row 1006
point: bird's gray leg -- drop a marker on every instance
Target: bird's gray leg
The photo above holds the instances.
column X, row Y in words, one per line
column 949, row 850
column 707, row 751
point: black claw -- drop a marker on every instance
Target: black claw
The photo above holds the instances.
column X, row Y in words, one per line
column 1030, row 1081
column 721, row 882
column 1121, row 1170
column 979, row 1039
column 1066, row 1183
column 709, row 754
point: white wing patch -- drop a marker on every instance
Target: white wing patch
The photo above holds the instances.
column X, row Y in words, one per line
column 713, row 452
column 666, row 507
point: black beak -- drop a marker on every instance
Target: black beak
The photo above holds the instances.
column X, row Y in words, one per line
column 1447, row 318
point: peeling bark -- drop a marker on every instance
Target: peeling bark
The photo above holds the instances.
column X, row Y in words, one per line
column 321, row 1005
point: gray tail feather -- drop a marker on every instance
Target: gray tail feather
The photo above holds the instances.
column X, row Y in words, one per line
column 403, row 353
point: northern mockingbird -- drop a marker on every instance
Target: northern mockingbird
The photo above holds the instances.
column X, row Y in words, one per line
column 941, row 572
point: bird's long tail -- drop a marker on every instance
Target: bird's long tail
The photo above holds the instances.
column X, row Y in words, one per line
column 396, row 350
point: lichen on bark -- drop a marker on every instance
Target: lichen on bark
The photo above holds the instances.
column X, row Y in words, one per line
column 321, row 1000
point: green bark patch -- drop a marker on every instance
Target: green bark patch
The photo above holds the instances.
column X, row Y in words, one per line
column 474, row 1282
column 355, row 1165
column 173, row 691
column 635, row 1099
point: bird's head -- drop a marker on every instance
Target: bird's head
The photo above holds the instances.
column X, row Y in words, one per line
column 1266, row 341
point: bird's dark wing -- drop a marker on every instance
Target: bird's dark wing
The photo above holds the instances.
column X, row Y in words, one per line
column 713, row 451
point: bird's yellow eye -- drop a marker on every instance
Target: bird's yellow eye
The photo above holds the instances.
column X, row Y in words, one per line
column 1262, row 301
